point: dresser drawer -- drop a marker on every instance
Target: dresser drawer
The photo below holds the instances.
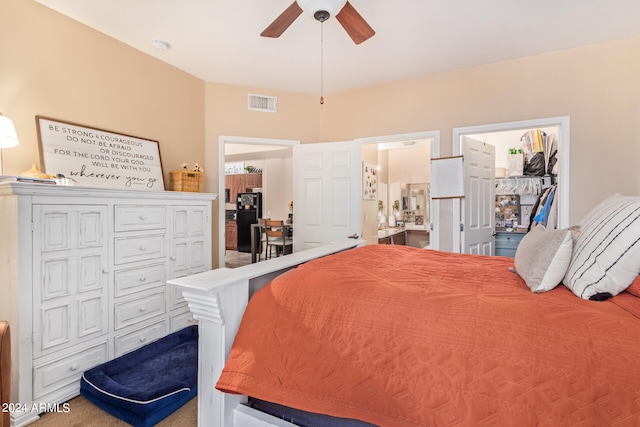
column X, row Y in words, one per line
column 136, row 310
column 508, row 240
column 134, row 218
column 182, row 320
column 139, row 248
column 66, row 370
column 139, row 279
column 136, row 339
column 507, row 243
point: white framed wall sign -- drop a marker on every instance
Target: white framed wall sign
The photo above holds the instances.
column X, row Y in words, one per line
column 99, row 158
column 447, row 177
column 233, row 168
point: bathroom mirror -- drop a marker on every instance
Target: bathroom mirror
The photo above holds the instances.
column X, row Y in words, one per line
column 419, row 199
column 404, row 194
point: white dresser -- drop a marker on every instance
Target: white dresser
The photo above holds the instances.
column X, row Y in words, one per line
column 83, row 276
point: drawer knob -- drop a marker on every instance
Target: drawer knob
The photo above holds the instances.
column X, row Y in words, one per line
column 74, row 367
column 143, row 279
column 173, row 258
column 143, row 339
column 143, row 309
column 105, row 270
column 143, row 217
column 143, row 248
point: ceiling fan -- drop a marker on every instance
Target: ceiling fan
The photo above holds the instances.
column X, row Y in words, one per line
column 354, row 24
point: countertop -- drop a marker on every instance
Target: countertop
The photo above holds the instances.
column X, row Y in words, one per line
column 390, row 231
column 386, row 232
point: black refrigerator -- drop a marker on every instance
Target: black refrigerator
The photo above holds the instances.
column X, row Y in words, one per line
column 249, row 211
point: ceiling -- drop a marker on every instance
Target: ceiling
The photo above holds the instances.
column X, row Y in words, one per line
column 219, row 40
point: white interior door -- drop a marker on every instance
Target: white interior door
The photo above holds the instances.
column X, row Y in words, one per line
column 327, row 193
column 478, row 204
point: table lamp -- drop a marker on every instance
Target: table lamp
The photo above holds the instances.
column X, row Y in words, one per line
column 8, row 136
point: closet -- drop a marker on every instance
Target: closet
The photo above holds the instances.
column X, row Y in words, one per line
column 516, row 201
column 521, row 184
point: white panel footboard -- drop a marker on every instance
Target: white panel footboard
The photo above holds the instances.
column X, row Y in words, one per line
column 217, row 299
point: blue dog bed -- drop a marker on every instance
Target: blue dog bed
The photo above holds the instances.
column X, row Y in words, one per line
column 145, row 386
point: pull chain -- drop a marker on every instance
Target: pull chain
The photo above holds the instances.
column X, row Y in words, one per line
column 321, row 63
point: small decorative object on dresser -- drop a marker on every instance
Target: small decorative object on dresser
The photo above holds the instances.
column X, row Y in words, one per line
column 186, row 179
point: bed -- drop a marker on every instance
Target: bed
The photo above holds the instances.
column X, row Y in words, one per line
column 398, row 336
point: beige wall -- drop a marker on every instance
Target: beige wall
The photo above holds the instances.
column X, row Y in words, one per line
column 298, row 118
column 55, row 67
column 277, row 184
column 597, row 86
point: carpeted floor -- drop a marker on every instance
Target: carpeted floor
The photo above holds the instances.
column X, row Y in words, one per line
column 83, row 413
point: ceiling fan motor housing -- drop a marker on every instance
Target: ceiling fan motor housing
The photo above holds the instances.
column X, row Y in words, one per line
column 321, row 9
column 321, row 15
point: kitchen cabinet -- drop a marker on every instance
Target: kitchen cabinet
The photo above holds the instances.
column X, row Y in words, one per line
column 253, row 180
column 231, row 236
column 85, row 278
column 240, row 183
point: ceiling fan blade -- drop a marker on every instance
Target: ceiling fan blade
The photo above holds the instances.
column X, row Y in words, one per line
column 283, row 21
column 354, row 24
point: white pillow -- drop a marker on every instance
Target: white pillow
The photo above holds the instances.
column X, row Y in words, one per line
column 542, row 257
column 606, row 252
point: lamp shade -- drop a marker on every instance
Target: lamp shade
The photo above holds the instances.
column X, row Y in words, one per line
column 8, row 136
column 312, row 6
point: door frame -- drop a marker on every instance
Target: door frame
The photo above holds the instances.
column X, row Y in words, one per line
column 222, row 141
column 564, row 138
column 434, row 152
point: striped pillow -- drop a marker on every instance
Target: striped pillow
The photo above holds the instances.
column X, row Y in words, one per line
column 606, row 251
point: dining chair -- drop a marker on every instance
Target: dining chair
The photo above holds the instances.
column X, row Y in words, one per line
column 277, row 238
column 263, row 238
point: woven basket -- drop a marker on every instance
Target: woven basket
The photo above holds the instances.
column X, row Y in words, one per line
column 185, row 181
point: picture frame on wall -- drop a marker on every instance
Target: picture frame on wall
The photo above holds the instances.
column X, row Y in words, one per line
column 369, row 181
column 95, row 157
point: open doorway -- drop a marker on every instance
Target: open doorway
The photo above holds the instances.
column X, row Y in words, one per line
column 403, row 191
column 251, row 165
column 505, row 136
column 404, row 161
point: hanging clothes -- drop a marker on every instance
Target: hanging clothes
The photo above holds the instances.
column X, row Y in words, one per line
column 545, row 209
column 543, row 215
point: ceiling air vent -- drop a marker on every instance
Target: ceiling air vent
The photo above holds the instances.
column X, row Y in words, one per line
column 263, row 103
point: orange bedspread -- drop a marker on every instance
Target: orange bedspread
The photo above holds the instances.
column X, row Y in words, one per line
column 398, row 336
